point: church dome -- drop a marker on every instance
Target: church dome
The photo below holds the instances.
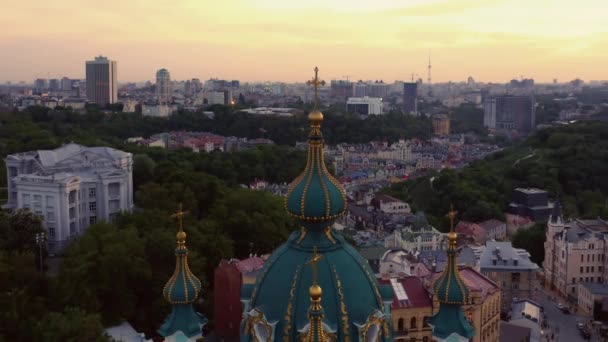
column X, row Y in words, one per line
column 183, row 287
column 315, row 196
column 354, row 306
column 449, row 287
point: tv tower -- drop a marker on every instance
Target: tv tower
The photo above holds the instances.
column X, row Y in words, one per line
column 428, row 80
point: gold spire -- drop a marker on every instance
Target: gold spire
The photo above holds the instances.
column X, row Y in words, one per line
column 316, row 117
column 181, row 235
column 316, row 83
column 452, row 236
column 316, row 332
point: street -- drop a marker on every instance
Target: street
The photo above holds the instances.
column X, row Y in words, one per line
column 561, row 326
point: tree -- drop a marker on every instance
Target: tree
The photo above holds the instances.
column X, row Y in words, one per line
column 143, row 170
column 18, row 231
column 255, row 217
column 72, row 324
column 103, row 272
column 532, row 240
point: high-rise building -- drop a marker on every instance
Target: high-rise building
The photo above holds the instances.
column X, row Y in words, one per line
column 66, row 84
column 40, row 84
column 410, row 98
column 341, row 90
column 102, row 85
column 509, row 112
column 163, row 86
column 71, row 187
column 54, row 84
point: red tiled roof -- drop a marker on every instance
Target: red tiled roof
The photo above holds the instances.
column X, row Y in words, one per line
column 417, row 295
column 250, row 264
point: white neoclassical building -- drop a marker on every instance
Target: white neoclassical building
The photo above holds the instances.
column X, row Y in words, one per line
column 71, row 187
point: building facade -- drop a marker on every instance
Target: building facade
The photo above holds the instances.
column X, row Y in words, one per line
column 575, row 252
column 163, row 86
column 410, row 98
column 71, row 187
column 441, row 124
column 410, row 310
column 102, row 85
column 510, row 113
column 511, row 269
column 365, row 105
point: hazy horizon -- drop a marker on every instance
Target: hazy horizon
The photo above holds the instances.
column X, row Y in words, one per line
column 277, row 40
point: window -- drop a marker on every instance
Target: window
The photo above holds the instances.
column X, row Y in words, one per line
column 581, row 269
column 592, row 267
column 582, row 257
column 12, row 171
column 92, row 192
column 50, row 216
column 592, row 257
column 114, row 189
column 599, row 280
column 574, row 280
column 425, row 322
column 72, row 228
column 37, row 200
column 50, row 202
column 599, row 268
column 400, row 324
column 587, row 269
column 26, row 199
column 588, row 257
column 93, row 206
column 72, row 213
column 72, row 197
column 92, row 219
column 51, row 232
column 413, row 323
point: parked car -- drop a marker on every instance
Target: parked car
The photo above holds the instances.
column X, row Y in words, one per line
column 580, row 326
column 560, row 306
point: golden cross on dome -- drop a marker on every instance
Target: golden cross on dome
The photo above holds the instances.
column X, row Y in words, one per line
column 180, row 216
column 315, row 82
column 313, row 263
column 452, row 216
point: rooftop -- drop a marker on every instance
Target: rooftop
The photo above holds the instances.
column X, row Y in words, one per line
column 596, row 289
column 530, row 190
column 502, row 256
column 512, row 332
column 413, row 295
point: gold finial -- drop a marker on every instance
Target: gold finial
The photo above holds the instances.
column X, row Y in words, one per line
column 452, row 236
column 316, row 82
column 181, row 235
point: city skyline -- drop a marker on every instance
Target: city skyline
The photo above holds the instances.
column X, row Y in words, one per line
column 272, row 40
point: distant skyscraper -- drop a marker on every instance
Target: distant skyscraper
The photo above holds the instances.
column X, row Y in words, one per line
column 163, row 86
column 40, row 84
column 510, row 113
column 410, row 95
column 66, row 84
column 102, row 87
column 54, row 84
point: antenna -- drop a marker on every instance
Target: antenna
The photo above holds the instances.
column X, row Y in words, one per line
column 413, row 75
column 347, row 77
column 429, row 69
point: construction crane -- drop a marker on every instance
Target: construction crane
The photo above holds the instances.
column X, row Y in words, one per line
column 413, row 75
column 347, row 77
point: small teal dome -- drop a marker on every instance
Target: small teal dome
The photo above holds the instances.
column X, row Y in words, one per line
column 315, row 196
column 183, row 287
column 449, row 287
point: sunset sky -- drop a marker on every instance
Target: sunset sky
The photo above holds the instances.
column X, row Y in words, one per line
column 282, row 40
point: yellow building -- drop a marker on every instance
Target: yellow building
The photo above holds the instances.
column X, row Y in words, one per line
column 441, row 124
column 483, row 311
column 410, row 310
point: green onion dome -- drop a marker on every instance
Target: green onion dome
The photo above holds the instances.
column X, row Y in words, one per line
column 315, row 197
column 449, row 287
column 183, row 287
